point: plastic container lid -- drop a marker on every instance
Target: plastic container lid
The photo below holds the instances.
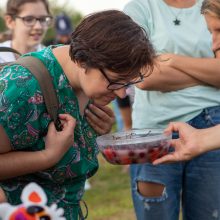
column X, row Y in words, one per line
column 131, row 137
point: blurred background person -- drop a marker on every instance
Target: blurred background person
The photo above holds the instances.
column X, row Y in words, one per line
column 28, row 21
column 63, row 29
column 125, row 108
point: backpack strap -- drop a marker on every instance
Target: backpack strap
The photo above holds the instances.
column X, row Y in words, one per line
column 8, row 49
column 38, row 69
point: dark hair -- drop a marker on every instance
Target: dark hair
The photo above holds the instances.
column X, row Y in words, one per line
column 111, row 40
column 14, row 6
column 211, row 7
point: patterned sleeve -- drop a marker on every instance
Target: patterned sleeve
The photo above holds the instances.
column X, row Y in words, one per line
column 22, row 109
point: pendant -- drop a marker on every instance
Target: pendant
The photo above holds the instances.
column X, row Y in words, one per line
column 176, row 21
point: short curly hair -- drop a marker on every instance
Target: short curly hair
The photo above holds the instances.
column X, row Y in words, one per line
column 111, row 40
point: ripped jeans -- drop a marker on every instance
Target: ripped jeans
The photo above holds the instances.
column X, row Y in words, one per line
column 194, row 185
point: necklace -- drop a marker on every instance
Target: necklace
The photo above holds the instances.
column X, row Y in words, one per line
column 176, row 21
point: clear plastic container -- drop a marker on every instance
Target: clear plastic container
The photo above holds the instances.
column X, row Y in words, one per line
column 134, row 146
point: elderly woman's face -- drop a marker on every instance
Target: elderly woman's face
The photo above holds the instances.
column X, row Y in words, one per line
column 213, row 24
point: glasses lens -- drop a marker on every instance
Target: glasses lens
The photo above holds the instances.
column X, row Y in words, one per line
column 115, row 86
column 46, row 21
column 29, row 20
column 137, row 80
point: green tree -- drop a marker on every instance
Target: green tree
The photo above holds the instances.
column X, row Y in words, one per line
column 2, row 22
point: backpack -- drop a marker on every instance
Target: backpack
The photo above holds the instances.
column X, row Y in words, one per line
column 38, row 69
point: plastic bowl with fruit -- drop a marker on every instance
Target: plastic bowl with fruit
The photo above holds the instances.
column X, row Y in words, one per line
column 134, row 146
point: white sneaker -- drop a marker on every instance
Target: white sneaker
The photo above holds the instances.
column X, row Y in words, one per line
column 87, row 185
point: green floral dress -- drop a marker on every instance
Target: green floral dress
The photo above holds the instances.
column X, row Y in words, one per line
column 25, row 120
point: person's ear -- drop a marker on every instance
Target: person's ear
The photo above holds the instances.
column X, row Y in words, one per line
column 9, row 21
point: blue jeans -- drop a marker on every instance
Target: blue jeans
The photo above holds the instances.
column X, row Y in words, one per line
column 194, row 184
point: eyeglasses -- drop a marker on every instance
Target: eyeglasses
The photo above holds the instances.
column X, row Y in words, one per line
column 117, row 85
column 30, row 21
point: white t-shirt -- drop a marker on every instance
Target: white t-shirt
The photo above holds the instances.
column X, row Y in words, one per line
column 8, row 56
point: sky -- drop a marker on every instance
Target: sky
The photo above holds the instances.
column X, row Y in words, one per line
column 88, row 6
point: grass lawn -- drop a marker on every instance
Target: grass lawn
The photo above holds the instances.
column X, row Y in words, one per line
column 109, row 198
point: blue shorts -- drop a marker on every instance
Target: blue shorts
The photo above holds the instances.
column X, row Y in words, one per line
column 194, row 184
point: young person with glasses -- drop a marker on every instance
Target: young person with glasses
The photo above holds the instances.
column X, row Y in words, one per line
column 97, row 66
column 28, row 21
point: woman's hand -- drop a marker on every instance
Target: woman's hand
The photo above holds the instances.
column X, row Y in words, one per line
column 186, row 147
column 57, row 143
column 101, row 118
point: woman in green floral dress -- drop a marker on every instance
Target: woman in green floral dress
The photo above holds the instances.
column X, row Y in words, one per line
column 107, row 53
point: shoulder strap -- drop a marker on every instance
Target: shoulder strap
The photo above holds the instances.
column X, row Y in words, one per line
column 38, row 69
column 8, row 49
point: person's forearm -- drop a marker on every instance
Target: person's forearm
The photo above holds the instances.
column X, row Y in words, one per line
column 14, row 164
column 209, row 139
column 206, row 70
column 165, row 79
